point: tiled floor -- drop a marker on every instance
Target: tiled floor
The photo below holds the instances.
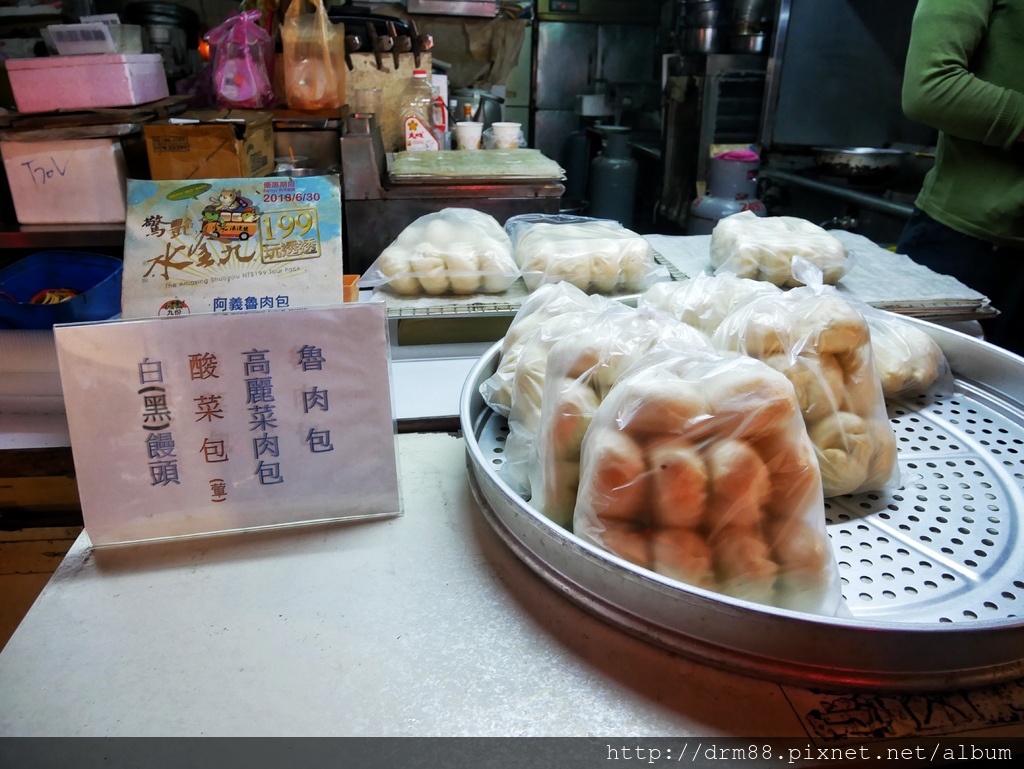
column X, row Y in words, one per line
column 28, row 557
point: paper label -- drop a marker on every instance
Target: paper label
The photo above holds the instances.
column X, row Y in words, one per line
column 209, row 423
column 418, row 135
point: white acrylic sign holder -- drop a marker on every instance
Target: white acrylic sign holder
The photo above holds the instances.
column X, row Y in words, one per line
column 213, row 423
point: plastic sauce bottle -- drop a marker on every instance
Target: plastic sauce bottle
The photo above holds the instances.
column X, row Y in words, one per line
column 440, row 115
column 418, row 114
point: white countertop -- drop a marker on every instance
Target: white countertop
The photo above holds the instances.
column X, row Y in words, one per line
column 420, row 625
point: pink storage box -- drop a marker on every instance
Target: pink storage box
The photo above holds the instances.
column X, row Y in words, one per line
column 86, row 82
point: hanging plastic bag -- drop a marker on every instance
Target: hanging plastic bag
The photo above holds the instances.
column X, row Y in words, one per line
column 243, row 62
column 314, row 57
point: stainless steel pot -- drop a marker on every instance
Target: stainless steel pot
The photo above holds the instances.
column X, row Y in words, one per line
column 750, row 43
column 703, row 17
column 483, row 106
column 859, row 164
column 701, row 40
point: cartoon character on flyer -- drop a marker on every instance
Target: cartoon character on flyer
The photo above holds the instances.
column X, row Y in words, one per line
column 230, row 216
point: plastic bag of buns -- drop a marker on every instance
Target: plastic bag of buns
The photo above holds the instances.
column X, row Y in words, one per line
column 907, row 360
column 822, row 344
column 777, row 249
column 698, row 467
column 704, row 300
column 548, row 302
column 595, row 255
column 453, row 251
column 582, row 367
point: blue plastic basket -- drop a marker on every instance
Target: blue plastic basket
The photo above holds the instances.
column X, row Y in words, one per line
column 96, row 276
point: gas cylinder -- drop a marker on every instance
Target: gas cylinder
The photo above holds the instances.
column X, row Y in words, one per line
column 613, row 178
column 576, row 160
column 731, row 188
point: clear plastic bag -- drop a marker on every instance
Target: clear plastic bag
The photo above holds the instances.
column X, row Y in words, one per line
column 821, row 343
column 698, row 467
column 704, row 300
column 452, row 251
column 243, row 62
column 907, row 360
column 595, row 255
column 547, row 302
column 526, row 390
column 776, row 249
column 582, row 368
column 314, row 57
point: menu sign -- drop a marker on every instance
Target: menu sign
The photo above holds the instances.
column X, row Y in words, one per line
column 206, row 423
column 231, row 245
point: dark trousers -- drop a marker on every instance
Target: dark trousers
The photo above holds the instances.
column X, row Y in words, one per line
column 995, row 271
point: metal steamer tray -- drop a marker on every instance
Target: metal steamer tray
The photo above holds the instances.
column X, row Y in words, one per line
column 933, row 573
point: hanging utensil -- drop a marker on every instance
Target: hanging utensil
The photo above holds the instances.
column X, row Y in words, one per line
column 352, row 45
column 403, row 44
column 380, row 43
column 420, row 43
column 394, row 48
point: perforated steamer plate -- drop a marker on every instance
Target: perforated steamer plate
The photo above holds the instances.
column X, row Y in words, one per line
column 933, row 573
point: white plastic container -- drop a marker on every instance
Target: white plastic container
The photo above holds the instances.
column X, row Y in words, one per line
column 66, row 182
column 86, row 82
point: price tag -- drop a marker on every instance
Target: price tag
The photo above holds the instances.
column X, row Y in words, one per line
column 231, row 245
column 207, row 423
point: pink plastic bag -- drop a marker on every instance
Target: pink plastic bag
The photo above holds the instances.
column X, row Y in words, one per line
column 243, row 62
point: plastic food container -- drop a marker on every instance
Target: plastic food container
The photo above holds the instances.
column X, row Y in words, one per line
column 86, row 82
column 96, row 277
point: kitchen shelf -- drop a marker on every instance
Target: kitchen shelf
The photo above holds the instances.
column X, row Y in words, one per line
column 43, row 236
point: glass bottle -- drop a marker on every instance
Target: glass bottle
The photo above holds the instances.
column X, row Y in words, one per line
column 418, row 114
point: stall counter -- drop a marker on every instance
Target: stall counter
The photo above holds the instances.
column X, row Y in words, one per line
column 424, row 624
column 420, row 625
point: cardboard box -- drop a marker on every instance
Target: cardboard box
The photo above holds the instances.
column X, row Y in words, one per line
column 66, row 182
column 212, row 144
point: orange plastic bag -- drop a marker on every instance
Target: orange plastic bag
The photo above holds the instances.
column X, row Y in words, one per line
column 314, row 57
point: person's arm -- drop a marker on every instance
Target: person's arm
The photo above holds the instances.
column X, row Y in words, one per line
column 938, row 88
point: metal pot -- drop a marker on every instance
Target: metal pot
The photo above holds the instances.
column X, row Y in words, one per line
column 703, row 17
column 483, row 106
column 701, row 40
column 747, row 43
column 859, row 164
column 747, row 16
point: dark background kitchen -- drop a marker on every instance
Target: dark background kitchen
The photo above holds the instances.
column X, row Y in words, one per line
column 784, row 76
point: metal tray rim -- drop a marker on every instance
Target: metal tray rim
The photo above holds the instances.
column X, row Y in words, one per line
column 996, row 631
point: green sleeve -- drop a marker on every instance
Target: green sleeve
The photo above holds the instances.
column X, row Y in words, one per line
column 938, row 88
